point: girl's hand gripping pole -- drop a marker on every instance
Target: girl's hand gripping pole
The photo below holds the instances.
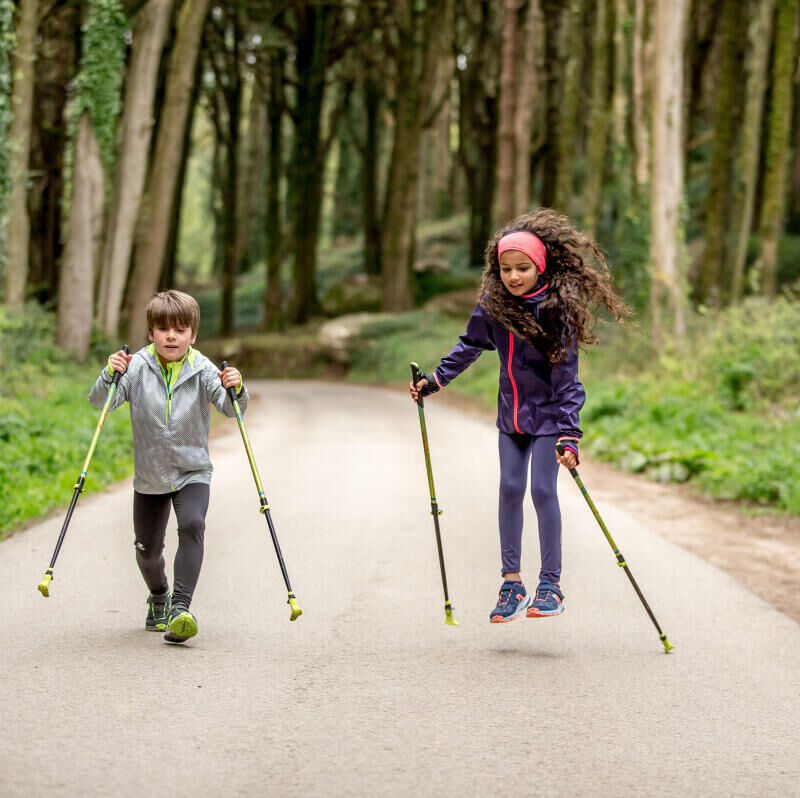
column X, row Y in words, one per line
column 296, row 612
column 435, row 511
column 44, row 585
column 620, row 559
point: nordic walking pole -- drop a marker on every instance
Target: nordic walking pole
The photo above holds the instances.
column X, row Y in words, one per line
column 618, row 554
column 44, row 585
column 435, row 511
column 292, row 602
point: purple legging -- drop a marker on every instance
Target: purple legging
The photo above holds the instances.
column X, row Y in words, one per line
column 515, row 451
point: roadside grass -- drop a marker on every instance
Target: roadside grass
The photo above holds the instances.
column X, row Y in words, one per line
column 47, row 424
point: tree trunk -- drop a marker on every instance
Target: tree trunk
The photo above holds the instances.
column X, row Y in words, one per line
column 777, row 149
column 570, row 99
column 758, row 51
column 81, row 253
column 252, row 167
column 619, row 100
column 275, row 109
column 726, row 122
column 307, row 160
column 531, row 45
column 641, row 125
column 373, row 234
column 56, row 64
column 420, row 43
column 598, row 116
column 506, row 140
column 16, row 271
column 667, row 181
column 154, row 212
column 478, row 84
column 135, row 130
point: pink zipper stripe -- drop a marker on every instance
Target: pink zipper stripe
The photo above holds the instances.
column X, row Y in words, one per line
column 536, row 293
column 511, row 377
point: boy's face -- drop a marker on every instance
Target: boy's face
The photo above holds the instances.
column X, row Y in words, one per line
column 172, row 341
column 518, row 272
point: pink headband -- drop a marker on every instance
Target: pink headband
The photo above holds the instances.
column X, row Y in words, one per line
column 527, row 243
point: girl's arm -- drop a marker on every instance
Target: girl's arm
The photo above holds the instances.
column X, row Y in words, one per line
column 570, row 395
column 477, row 338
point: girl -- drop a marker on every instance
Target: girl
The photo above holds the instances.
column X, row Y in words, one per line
column 538, row 303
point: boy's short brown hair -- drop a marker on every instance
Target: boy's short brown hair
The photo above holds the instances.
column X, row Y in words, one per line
column 171, row 309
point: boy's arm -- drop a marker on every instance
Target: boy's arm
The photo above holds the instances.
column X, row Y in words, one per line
column 99, row 391
column 476, row 340
column 218, row 394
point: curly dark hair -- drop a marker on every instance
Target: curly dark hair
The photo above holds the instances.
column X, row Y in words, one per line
column 568, row 311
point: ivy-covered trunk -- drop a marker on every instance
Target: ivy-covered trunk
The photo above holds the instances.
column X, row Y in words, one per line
column 777, row 155
column 155, row 210
column 16, row 267
column 370, row 205
column 6, row 42
column 274, row 219
column 136, row 133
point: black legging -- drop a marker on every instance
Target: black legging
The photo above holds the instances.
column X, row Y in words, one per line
column 150, row 516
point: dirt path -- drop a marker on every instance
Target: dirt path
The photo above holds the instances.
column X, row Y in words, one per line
column 762, row 551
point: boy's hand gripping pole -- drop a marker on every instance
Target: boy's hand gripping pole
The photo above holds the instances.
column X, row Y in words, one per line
column 44, row 585
column 435, row 511
column 296, row 612
column 620, row 559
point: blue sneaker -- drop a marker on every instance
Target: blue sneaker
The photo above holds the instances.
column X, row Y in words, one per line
column 512, row 601
column 549, row 600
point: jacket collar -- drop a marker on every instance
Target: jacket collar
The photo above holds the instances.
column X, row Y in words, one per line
column 183, row 368
column 536, row 295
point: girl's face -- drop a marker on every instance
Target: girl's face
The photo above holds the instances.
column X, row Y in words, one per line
column 518, row 272
column 172, row 341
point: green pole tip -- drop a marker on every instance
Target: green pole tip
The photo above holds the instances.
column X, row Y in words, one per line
column 449, row 619
column 44, row 588
column 296, row 611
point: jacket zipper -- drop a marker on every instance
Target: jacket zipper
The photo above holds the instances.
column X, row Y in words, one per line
column 511, row 377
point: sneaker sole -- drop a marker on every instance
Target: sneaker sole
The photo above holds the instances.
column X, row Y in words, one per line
column 159, row 627
column 535, row 613
column 503, row 619
column 181, row 629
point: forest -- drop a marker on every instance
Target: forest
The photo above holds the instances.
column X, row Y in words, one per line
column 245, row 147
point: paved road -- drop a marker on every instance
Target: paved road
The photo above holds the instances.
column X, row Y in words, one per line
column 369, row 693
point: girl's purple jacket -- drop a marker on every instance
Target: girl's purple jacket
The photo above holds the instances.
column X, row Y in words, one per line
column 534, row 396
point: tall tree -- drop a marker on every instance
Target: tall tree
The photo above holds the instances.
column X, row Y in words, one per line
column 97, row 102
column 667, row 179
column 136, row 132
column 641, row 83
column 6, row 46
column 708, row 287
column 155, row 210
column 759, row 38
column 777, row 148
column 478, row 44
column 418, row 32
column 599, row 116
column 16, row 272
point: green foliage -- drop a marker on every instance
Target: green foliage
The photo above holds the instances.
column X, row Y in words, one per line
column 98, row 85
column 47, row 424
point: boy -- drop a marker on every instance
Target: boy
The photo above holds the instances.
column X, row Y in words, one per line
column 169, row 386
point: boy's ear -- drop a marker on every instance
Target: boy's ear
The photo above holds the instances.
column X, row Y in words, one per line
column 150, row 335
column 194, row 338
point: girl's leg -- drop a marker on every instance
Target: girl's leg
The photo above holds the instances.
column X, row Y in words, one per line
column 514, row 453
column 544, row 474
column 191, row 505
column 150, row 516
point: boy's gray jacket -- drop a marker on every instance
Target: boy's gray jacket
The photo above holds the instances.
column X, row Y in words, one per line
column 170, row 430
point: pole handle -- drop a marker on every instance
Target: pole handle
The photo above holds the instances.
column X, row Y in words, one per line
column 231, row 391
column 415, row 379
column 118, row 374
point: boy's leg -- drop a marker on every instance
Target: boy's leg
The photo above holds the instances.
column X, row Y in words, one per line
column 191, row 505
column 544, row 476
column 150, row 516
column 514, row 453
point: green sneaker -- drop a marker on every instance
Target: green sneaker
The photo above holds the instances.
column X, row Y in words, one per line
column 157, row 612
column 181, row 625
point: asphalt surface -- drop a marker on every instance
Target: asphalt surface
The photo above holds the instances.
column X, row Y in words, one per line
column 369, row 693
